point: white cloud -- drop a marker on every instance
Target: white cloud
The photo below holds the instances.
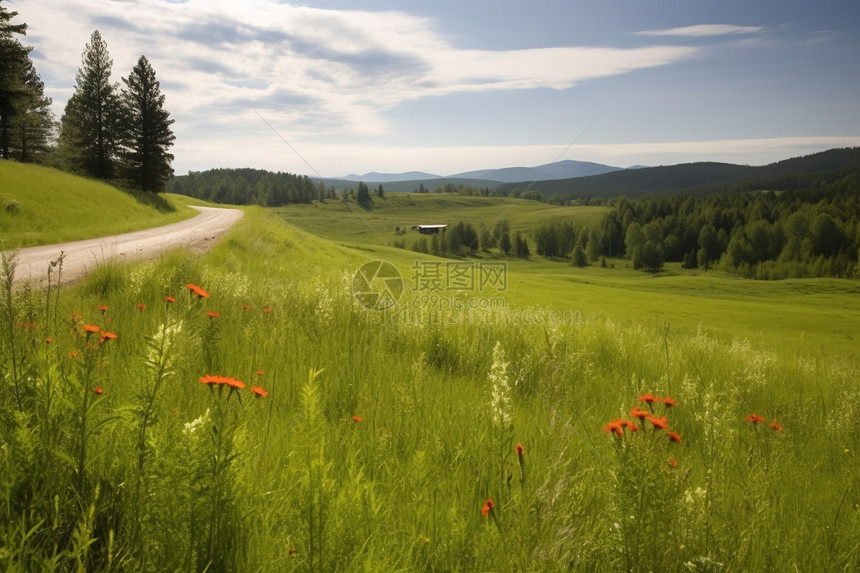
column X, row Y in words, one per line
column 704, row 30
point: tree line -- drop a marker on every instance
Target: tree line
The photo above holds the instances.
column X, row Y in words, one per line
column 122, row 135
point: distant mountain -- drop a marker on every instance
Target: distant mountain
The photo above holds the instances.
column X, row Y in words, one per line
column 705, row 178
column 559, row 170
column 375, row 177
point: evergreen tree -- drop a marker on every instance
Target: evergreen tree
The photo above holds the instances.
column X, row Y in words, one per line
column 33, row 125
column 148, row 135
column 92, row 122
column 363, row 195
column 14, row 59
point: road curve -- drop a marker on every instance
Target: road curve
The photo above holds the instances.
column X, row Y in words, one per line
column 196, row 233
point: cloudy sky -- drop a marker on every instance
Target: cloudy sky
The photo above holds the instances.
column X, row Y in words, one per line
column 332, row 87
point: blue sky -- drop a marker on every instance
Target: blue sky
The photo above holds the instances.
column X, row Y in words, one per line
column 445, row 86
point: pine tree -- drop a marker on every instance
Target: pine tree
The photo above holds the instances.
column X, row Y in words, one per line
column 147, row 135
column 14, row 58
column 33, row 125
column 92, row 122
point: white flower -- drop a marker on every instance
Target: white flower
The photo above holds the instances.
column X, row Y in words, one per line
column 500, row 403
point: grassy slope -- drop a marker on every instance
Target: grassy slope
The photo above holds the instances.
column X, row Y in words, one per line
column 815, row 314
column 57, row 207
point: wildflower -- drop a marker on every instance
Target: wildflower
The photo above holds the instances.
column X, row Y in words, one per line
column 357, row 419
column 246, row 307
column 212, row 380
column 520, row 450
column 775, row 427
column 754, row 419
column 197, row 290
column 169, row 299
column 212, row 314
column 633, row 427
column 500, row 403
column 103, row 308
column 614, row 427
column 267, row 310
column 98, row 390
column 673, row 462
column 141, row 306
column 487, row 508
column 76, row 316
column 74, row 354
column 259, row 373
column 105, row 336
column 48, row 340
column 648, row 398
column 669, row 402
column 658, row 423
column 637, row 412
column 674, row 437
column 233, row 383
column 91, row 329
column 259, row 392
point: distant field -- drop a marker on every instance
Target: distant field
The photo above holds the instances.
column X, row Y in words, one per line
column 40, row 206
column 341, row 221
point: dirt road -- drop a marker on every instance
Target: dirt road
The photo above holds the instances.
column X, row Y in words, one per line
column 196, row 233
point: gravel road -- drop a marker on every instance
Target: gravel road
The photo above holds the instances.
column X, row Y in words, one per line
column 197, row 233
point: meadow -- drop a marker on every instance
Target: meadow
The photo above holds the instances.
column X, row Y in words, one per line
column 245, row 411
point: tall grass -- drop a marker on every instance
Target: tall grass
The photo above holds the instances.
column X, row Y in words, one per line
column 379, row 441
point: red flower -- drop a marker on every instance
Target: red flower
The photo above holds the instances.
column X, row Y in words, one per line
column 637, row 412
column 212, row 314
column 488, row 507
column 520, row 450
column 669, row 402
column 141, row 306
column 103, row 308
column 775, row 427
column 259, row 372
column 260, row 393
column 647, row 398
column 674, row 437
column 98, row 390
column 246, row 307
column 658, row 423
column 754, row 419
column 357, row 419
column 169, row 299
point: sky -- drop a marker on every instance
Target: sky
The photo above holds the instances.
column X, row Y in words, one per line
column 336, row 87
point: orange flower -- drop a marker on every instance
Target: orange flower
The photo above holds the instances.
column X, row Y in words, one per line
column 197, row 290
column 637, row 412
column 520, row 450
column 105, row 336
column 754, row 419
column 169, row 299
column 633, row 427
column 103, row 308
column 259, row 392
column 259, row 372
column 775, row 427
column 98, row 390
column 212, row 314
column 487, row 508
column 674, row 437
column 246, row 307
column 614, row 427
column 658, row 423
column 74, row 354
column 233, row 383
column 647, row 398
column 673, row 462
column 91, row 329
column 141, row 306
column 267, row 310
column 210, row 379
column 76, row 316
column 48, row 340
column 357, row 419
column 669, row 402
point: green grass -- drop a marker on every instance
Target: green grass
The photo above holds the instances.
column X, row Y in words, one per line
column 162, row 472
column 40, row 205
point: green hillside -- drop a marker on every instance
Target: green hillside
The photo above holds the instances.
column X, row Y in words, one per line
column 40, row 206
